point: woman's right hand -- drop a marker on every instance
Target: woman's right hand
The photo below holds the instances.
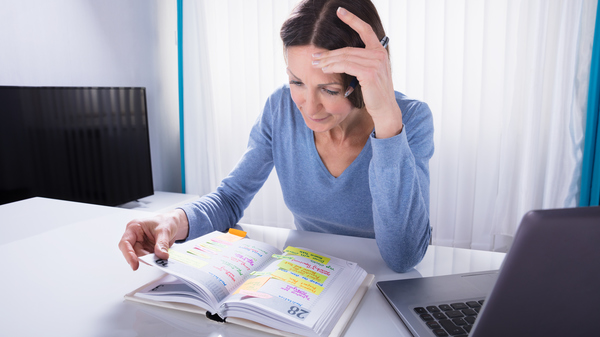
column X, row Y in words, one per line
column 153, row 235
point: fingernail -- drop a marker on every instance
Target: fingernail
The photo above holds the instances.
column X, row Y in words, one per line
column 163, row 249
column 342, row 11
column 317, row 55
column 314, row 63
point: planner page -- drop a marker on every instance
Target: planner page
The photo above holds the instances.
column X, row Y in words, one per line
column 215, row 264
column 300, row 291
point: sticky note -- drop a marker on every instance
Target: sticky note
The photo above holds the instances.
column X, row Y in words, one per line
column 298, row 282
column 230, row 237
column 306, row 254
column 209, row 247
column 254, row 294
column 277, row 256
column 237, row 232
column 309, row 274
column 253, row 284
column 186, row 259
column 198, row 253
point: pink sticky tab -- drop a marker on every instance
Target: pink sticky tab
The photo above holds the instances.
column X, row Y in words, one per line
column 254, row 294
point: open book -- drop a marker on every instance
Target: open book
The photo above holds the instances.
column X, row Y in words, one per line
column 234, row 279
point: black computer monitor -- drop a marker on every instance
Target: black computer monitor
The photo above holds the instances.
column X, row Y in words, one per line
column 86, row 144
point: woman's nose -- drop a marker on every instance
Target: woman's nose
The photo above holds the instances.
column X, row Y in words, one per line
column 311, row 105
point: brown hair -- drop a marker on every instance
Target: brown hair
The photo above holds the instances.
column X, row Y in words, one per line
column 315, row 22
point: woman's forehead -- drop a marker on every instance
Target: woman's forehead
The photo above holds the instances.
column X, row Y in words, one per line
column 299, row 62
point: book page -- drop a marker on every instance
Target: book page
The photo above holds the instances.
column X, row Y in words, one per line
column 301, row 287
column 215, row 264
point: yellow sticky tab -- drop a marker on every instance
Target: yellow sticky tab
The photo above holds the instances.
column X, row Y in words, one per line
column 199, row 253
column 309, row 274
column 308, row 255
column 237, row 232
column 298, row 282
column 187, row 259
column 210, row 247
column 253, row 284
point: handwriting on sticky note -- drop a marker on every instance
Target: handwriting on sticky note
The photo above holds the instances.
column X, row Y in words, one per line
column 308, row 255
column 305, row 272
column 297, row 281
column 280, row 257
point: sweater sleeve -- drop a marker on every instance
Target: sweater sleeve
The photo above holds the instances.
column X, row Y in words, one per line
column 399, row 184
column 223, row 208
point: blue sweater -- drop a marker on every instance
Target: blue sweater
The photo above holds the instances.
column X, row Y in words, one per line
column 383, row 194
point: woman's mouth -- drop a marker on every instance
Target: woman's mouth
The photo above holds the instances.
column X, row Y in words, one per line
column 317, row 120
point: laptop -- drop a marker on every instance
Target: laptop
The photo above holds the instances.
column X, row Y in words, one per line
column 548, row 285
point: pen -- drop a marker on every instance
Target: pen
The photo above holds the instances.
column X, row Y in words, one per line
column 384, row 43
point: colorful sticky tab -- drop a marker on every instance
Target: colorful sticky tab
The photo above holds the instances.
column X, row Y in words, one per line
column 253, row 284
column 254, row 294
column 199, row 253
column 304, row 272
column 279, row 257
column 186, row 259
column 229, row 237
column 237, row 232
column 298, row 282
column 306, row 254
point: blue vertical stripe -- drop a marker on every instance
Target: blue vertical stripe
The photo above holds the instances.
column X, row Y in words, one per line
column 590, row 173
column 180, row 69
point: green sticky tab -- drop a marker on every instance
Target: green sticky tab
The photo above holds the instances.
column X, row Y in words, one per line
column 284, row 257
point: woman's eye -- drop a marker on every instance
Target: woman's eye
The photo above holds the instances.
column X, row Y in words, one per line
column 296, row 83
column 331, row 92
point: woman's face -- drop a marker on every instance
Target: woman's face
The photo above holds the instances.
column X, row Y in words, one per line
column 318, row 96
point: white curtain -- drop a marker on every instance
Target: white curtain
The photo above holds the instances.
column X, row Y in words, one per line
column 506, row 81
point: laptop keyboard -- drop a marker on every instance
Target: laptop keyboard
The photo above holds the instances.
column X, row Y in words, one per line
column 455, row 319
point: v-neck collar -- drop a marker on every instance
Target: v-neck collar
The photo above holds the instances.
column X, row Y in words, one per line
column 315, row 153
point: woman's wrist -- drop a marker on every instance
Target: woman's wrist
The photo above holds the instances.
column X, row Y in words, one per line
column 182, row 223
column 387, row 128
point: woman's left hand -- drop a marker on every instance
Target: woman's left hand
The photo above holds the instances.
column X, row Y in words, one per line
column 371, row 66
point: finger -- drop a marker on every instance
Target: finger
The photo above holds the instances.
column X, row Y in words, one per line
column 364, row 30
column 143, row 248
column 366, row 76
column 342, row 54
column 366, row 60
column 163, row 238
column 128, row 252
column 131, row 239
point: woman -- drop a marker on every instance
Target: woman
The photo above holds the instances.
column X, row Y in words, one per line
column 351, row 162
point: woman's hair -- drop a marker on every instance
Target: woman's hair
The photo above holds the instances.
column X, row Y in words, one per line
column 315, row 22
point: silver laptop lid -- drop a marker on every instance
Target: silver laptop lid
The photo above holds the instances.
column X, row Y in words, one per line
column 549, row 283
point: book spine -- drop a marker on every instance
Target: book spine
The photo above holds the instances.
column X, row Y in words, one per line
column 215, row 317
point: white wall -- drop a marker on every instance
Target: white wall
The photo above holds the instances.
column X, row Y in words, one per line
column 101, row 43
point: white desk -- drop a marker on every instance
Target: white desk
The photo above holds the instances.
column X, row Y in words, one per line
column 161, row 202
column 69, row 278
